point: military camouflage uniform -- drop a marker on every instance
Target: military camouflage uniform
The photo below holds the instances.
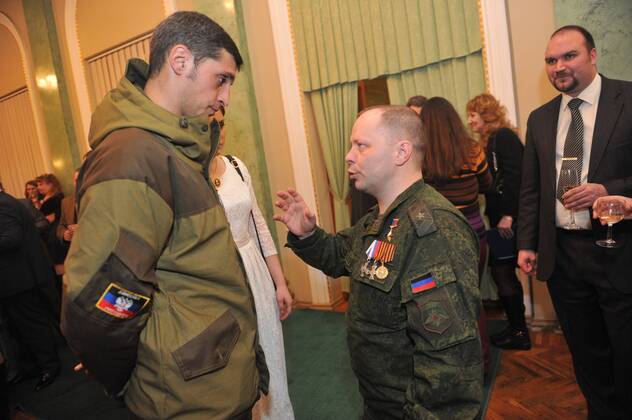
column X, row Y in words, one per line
column 157, row 305
column 416, row 353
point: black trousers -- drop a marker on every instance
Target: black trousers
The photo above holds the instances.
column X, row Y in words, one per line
column 29, row 317
column 597, row 322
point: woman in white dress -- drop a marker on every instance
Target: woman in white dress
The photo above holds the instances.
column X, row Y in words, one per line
column 254, row 242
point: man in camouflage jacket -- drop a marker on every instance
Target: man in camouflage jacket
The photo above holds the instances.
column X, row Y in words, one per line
column 157, row 306
column 414, row 301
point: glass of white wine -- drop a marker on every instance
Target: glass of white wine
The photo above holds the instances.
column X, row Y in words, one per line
column 571, row 180
column 610, row 212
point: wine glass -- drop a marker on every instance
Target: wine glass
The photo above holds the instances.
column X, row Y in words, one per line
column 610, row 212
column 570, row 179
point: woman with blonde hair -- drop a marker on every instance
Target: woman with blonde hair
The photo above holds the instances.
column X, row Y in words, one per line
column 488, row 118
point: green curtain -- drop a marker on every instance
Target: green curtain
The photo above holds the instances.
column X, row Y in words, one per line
column 335, row 109
column 341, row 41
column 457, row 80
column 427, row 47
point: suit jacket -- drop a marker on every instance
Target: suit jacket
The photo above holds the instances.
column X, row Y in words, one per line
column 24, row 263
column 610, row 165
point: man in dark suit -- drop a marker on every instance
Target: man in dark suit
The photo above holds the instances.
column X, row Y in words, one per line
column 587, row 130
column 24, row 270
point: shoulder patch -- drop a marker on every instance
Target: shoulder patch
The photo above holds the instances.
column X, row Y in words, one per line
column 421, row 218
column 121, row 303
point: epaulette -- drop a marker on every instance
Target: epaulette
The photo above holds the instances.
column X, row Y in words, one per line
column 421, row 218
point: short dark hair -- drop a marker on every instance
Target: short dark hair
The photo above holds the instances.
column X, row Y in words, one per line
column 200, row 34
column 401, row 122
column 588, row 38
column 416, row 100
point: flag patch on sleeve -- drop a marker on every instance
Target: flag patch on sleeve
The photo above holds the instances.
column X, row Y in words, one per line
column 121, row 303
column 426, row 282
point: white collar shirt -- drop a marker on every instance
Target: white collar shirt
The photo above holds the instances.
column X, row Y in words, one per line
column 588, row 110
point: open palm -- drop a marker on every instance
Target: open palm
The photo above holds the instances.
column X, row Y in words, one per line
column 298, row 218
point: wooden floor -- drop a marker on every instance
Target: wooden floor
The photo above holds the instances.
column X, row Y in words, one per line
column 537, row 384
column 534, row 384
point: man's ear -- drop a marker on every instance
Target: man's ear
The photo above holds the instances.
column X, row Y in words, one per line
column 403, row 152
column 180, row 59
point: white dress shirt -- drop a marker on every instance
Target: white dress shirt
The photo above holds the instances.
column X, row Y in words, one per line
column 588, row 110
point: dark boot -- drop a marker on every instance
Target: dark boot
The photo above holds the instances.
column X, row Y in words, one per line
column 504, row 333
column 514, row 308
column 517, row 340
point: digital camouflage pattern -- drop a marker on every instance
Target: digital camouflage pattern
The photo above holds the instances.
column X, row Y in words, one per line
column 413, row 337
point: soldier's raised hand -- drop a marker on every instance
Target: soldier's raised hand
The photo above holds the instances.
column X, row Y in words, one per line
column 298, row 218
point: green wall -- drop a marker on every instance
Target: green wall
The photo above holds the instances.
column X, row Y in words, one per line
column 64, row 153
column 610, row 23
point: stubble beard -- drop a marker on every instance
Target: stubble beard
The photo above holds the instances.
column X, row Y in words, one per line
column 571, row 86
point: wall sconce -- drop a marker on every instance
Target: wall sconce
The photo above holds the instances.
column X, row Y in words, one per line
column 58, row 164
column 47, row 82
column 229, row 5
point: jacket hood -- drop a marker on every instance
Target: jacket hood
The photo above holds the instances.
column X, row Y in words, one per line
column 127, row 106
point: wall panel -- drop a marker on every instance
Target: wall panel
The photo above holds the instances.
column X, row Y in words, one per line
column 21, row 158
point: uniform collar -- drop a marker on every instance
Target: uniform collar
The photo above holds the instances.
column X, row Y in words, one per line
column 374, row 223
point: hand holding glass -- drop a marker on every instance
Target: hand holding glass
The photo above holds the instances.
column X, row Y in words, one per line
column 571, row 178
column 610, row 212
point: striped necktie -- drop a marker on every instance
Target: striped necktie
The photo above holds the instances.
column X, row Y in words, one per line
column 573, row 149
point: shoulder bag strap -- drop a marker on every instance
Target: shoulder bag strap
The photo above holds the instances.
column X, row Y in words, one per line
column 235, row 164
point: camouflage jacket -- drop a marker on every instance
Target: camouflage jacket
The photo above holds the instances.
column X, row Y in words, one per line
column 157, row 304
column 412, row 333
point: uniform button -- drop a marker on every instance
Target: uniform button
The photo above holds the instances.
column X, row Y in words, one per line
column 184, row 123
column 205, row 128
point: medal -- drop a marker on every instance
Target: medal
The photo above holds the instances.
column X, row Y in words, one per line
column 384, row 254
column 394, row 223
column 382, row 272
column 372, row 271
column 364, row 270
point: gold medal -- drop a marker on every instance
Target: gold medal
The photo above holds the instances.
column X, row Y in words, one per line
column 382, row 272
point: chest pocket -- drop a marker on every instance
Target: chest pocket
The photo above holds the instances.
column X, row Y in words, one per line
column 436, row 308
column 355, row 266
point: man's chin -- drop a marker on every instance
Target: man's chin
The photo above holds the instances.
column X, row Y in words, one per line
column 565, row 87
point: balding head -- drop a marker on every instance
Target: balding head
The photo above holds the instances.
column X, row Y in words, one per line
column 397, row 123
column 386, row 150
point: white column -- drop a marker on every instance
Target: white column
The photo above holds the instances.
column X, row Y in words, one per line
column 293, row 107
column 498, row 54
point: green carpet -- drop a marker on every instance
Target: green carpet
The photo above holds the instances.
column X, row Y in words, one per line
column 321, row 383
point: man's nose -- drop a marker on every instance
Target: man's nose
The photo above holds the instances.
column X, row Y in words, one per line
column 349, row 157
column 223, row 97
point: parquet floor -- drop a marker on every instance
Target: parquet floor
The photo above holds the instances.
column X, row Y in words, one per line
column 537, row 384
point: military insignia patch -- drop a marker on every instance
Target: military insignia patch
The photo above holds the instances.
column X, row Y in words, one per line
column 435, row 318
column 121, row 303
column 424, row 283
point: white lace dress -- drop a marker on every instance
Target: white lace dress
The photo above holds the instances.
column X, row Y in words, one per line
column 239, row 199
